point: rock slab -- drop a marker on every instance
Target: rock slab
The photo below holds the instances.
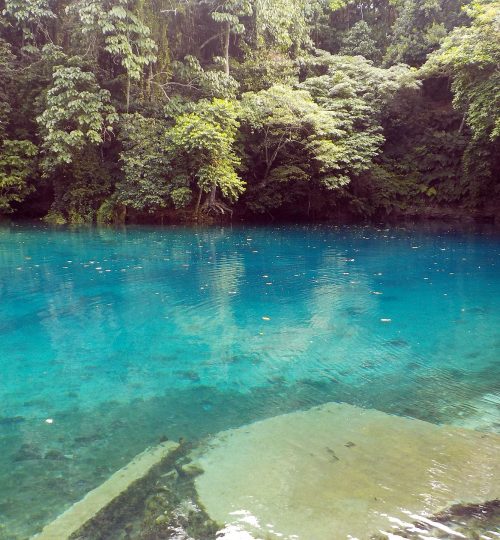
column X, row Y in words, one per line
column 338, row 471
column 97, row 500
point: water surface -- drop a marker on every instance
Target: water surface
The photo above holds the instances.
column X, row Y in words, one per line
column 111, row 339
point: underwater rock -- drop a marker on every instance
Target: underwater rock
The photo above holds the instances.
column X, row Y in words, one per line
column 191, row 470
column 55, row 455
column 88, row 439
column 171, row 476
column 162, row 520
column 109, row 495
column 344, row 469
column 474, row 522
column 157, row 503
column 28, row 452
column 11, row 420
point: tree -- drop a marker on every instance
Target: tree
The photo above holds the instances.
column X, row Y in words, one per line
column 125, row 36
column 284, row 25
column 279, row 31
column 164, row 165
column 229, row 13
column 7, row 69
column 32, row 12
column 349, row 77
column 319, row 137
column 359, row 41
column 16, row 166
column 471, row 56
column 292, row 140
column 145, row 186
column 420, row 26
column 196, row 82
column 32, row 18
column 202, row 146
column 78, row 113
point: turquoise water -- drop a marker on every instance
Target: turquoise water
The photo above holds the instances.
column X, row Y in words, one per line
column 111, row 339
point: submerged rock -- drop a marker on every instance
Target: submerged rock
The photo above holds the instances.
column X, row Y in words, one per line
column 11, row 420
column 338, row 471
column 55, row 455
column 191, row 470
column 28, row 452
column 171, row 476
column 95, row 515
column 473, row 521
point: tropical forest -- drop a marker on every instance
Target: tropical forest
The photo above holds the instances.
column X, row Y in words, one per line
column 170, row 111
column 249, row 269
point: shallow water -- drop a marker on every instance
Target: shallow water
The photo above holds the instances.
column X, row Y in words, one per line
column 337, row 471
column 110, row 339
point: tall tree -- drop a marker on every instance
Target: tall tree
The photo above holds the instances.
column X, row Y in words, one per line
column 78, row 113
column 16, row 167
column 358, row 41
column 471, row 56
column 125, row 36
column 202, row 144
column 295, row 144
column 7, row 69
column 229, row 14
column 420, row 26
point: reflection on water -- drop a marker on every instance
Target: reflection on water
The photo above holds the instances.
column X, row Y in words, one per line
column 110, row 339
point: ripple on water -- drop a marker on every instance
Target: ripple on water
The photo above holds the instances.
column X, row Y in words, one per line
column 344, row 469
column 186, row 332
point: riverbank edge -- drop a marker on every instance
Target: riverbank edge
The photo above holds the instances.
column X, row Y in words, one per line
column 452, row 216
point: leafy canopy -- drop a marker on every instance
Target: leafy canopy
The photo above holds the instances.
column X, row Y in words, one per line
column 125, row 35
column 146, row 183
column 16, row 166
column 28, row 12
column 77, row 113
column 471, row 57
column 292, row 139
column 202, row 145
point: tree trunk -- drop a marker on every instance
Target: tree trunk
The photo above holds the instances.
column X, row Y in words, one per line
column 212, row 195
column 227, row 35
column 128, row 93
column 462, row 124
column 269, row 164
column 198, row 202
column 255, row 21
column 149, row 84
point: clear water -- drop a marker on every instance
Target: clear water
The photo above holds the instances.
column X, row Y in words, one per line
column 111, row 339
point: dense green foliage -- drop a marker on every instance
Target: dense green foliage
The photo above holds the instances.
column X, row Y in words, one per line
column 15, row 168
column 189, row 109
column 77, row 113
